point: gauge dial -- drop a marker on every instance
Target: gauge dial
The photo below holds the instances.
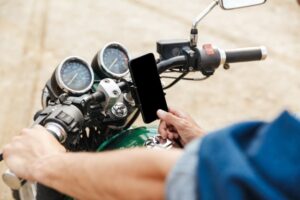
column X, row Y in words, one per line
column 115, row 60
column 112, row 61
column 74, row 75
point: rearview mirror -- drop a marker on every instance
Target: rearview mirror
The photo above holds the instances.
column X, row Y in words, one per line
column 232, row 4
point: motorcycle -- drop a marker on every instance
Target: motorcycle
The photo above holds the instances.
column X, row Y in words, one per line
column 92, row 107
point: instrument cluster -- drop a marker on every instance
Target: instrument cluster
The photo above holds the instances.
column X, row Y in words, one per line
column 74, row 76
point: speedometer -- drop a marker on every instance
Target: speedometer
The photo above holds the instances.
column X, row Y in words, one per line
column 111, row 61
column 74, row 75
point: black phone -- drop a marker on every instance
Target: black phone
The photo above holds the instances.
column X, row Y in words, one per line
column 149, row 90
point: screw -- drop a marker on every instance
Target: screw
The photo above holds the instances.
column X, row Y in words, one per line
column 115, row 92
column 226, row 66
column 191, row 53
column 106, row 81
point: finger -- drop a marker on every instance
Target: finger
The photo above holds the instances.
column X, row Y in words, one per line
column 172, row 128
column 5, row 151
column 25, row 131
column 162, row 129
column 38, row 127
column 169, row 118
column 177, row 112
column 170, row 136
column 176, row 136
column 17, row 138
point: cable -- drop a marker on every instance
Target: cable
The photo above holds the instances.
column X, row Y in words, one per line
column 186, row 79
column 196, row 79
column 176, row 80
column 169, row 77
column 172, row 71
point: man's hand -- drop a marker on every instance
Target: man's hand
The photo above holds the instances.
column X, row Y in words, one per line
column 176, row 125
column 27, row 149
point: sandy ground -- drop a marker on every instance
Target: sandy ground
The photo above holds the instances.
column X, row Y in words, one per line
column 36, row 35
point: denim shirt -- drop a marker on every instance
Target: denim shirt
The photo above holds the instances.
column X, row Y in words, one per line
column 181, row 182
column 249, row 160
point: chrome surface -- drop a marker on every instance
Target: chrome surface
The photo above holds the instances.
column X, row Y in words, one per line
column 264, row 52
column 194, row 37
column 119, row 110
column 222, row 56
column 11, row 180
column 111, row 91
column 28, row 191
column 157, row 142
column 232, row 4
column 101, row 62
column 128, row 98
column 45, row 97
column 204, row 13
column 58, row 130
column 63, row 86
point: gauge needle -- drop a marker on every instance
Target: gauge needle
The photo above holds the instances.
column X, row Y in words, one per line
column 112, row 64
column 73, row 79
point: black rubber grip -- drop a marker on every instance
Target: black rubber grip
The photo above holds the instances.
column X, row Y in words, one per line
column 245, row 54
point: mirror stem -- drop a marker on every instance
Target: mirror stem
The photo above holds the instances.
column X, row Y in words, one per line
column 194, row 31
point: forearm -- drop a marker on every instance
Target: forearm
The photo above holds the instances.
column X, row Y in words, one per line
column 126, row 174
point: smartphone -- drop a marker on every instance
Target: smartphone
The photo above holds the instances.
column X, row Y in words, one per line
column 149, row 90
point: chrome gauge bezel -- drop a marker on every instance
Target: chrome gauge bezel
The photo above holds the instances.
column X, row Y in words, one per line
column 63, row 86
column 45, row 97
column 100, row 60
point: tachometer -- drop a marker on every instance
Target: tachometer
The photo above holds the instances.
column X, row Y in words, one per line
column 74, row 75
column 112, row 61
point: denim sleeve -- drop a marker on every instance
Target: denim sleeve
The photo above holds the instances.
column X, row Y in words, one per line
column 181, row 182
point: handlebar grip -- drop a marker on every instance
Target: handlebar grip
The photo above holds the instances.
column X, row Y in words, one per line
column 246, row 54
column 55, row 129
column 15, row 182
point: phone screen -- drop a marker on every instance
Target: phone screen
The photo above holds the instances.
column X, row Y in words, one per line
column 150, row 93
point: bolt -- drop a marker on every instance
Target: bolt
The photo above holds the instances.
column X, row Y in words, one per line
column 226, row 66
column 115, row 92
column 191, row 53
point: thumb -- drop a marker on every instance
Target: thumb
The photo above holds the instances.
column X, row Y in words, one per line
column 168, row 117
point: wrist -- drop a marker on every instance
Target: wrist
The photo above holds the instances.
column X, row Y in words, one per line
column 43, row 169
column 198, row 133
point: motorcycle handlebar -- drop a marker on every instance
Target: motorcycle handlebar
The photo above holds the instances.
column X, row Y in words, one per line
column 246, row 54
column 214, row 60
column 171, row 63
column 58, row 132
